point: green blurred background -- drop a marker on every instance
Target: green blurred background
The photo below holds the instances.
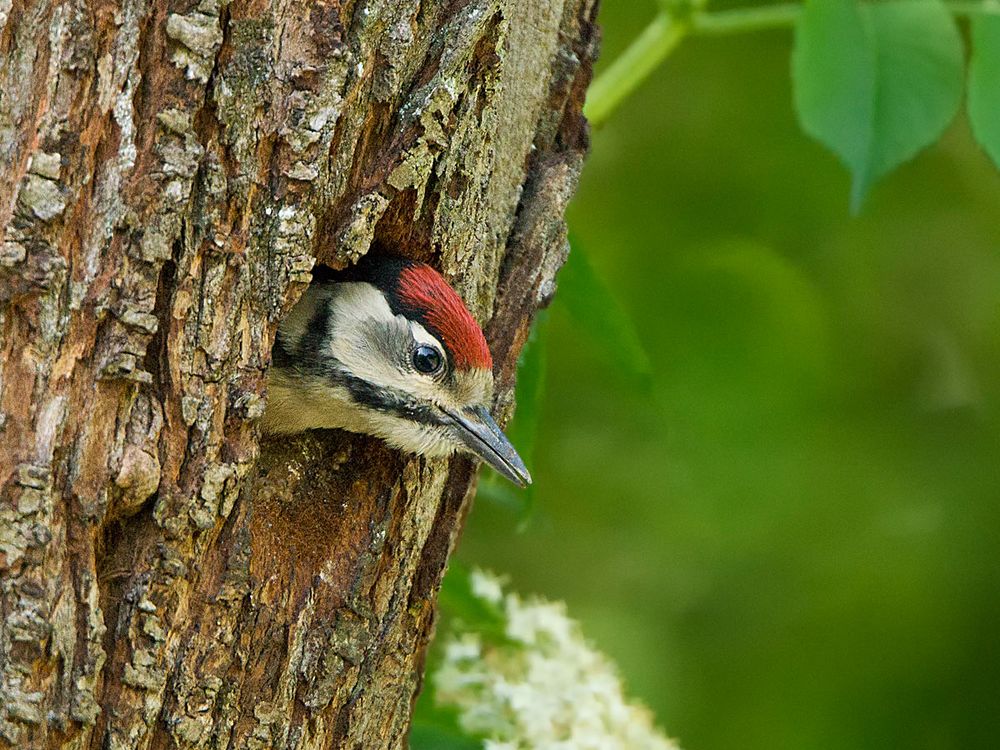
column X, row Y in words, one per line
column 788, row 535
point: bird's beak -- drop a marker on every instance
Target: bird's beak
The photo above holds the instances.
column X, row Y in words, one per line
column 482, row 436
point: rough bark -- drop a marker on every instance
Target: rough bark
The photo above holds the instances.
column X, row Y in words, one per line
column 169, row 172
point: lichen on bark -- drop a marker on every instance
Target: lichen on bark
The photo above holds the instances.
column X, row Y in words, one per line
column 170, row 173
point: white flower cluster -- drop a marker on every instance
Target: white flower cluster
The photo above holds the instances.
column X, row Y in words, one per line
column 544, row 689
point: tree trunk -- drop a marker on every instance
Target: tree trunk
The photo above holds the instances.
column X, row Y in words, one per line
column 170, row 172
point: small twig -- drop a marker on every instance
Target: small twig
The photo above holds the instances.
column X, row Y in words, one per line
column 633, row 66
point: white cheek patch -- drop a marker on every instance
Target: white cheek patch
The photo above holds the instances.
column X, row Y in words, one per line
column 359, row 311
column 375, row 345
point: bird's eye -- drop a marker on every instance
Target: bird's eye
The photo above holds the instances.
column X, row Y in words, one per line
column 427, row 359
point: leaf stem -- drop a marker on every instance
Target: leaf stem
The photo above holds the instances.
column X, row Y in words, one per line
column 739, row 20
column 973, row 9
column 665, row 32
column 633, row 66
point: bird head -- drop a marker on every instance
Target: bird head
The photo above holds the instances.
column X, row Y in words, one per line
column 388, row 348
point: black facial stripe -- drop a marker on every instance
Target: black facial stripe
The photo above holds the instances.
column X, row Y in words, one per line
column 281, row 356
column 387, row 401
column 311, row 344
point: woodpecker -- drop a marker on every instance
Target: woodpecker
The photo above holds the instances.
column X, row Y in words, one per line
column 388, row 348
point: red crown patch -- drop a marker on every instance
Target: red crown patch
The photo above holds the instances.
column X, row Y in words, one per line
column 425, row 290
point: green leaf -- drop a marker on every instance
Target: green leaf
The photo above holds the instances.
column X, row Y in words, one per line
column 457, row 600
column 531, row 369
column 984, row 84
column 789, row 310
column 876, row 82
column 523, row 429
column 431, row 737
column 530, row 396
column 597, row 312
column 495, row 489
